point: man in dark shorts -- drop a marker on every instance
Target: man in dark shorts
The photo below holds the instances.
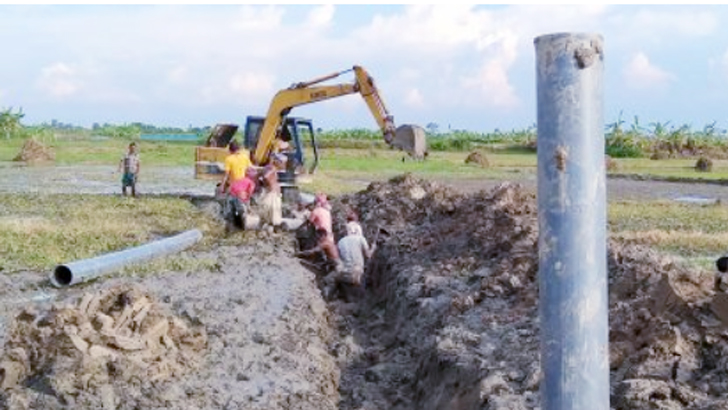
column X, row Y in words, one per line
column 130, row 166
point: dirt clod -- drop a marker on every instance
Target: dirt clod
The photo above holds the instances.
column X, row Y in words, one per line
column 98, row 346
column 452, row 309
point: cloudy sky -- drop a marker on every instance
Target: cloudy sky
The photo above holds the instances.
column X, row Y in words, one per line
column 463, row 66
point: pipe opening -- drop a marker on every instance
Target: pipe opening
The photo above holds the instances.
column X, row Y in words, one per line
column 62, row 275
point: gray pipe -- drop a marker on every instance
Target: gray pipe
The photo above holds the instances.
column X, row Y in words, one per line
column 83, row 270
column 572, row 222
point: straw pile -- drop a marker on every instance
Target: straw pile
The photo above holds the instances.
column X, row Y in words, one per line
column 34, row 151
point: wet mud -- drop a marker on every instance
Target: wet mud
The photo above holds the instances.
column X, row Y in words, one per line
column 261, row 340
column 449, row 320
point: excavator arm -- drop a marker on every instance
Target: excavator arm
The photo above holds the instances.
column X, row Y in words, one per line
column 308, row 92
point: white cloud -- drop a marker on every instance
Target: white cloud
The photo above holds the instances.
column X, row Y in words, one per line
column 493, row 85
column 427, row 29
column 693, row 23
column 641, row 73
column 178, row 75
column 458, row 56
column 59, row 80
column 414, row 98
column 266, row 18
column 252, row 85
column 410, row 74
column 491, row 79
column 88, row 82
column 321, row 16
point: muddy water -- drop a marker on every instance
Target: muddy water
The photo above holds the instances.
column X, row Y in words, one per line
column 99, row 179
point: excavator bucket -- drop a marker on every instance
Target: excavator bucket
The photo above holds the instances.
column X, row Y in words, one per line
column 411, row 138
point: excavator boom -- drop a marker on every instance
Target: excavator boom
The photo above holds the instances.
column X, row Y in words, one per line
column 310, row 92
column 261, row 132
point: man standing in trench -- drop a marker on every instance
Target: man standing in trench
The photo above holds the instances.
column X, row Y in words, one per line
column 354, row 251
column 272, row 200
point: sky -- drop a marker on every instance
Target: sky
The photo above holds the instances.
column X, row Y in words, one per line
column 465, row 67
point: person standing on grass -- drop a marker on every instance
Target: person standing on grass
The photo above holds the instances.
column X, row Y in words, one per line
column 130, row 166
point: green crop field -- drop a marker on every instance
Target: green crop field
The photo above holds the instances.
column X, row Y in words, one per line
column 37, row 231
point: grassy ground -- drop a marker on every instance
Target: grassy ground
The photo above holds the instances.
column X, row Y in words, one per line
column 108, row 152
column 694, row 232
column 39, row 232
column 672, row 168
column 360, row 163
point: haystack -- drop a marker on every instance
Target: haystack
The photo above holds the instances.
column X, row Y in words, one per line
column 477, row 158
column 35, row 151
column 610, row 163
column 704, row 164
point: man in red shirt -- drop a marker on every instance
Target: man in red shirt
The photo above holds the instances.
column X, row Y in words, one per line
column 243, row 188
column 238, row 202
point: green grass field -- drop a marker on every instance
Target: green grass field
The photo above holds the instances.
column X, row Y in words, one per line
column 39, row 232
column 355, row 163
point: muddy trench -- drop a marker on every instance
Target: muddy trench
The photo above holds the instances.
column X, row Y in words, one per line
column 450, row 315
column 448, row 320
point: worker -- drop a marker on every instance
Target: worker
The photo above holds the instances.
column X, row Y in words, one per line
column 282, row 143
column 325, row 245
column 237, row 201
column 130, row 166
column 320, row 217
column 352, row 223
column 243, row 189
column 272, row 200
column 236, row 163
column 354, row 251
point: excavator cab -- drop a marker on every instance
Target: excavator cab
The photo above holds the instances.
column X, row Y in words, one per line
column 294, row 132
column 210, row 159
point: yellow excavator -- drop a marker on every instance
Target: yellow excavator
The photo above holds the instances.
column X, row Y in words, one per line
column 262, row 134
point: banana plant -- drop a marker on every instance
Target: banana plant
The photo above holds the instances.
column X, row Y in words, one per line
column 10, row 122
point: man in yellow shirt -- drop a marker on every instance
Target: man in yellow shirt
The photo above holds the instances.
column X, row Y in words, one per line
column 236, row 164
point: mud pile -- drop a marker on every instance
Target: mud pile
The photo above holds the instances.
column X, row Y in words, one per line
column 451, row 314
column 34, row 151
column 89, row 353
column 398, row 205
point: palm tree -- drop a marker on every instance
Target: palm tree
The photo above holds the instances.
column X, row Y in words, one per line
column 10, row 122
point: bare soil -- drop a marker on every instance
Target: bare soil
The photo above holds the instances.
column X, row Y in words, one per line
column 99, row 179
column 449, row 319
column 267, row 346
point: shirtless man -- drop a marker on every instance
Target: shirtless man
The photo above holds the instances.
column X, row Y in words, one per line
column 273, row 200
